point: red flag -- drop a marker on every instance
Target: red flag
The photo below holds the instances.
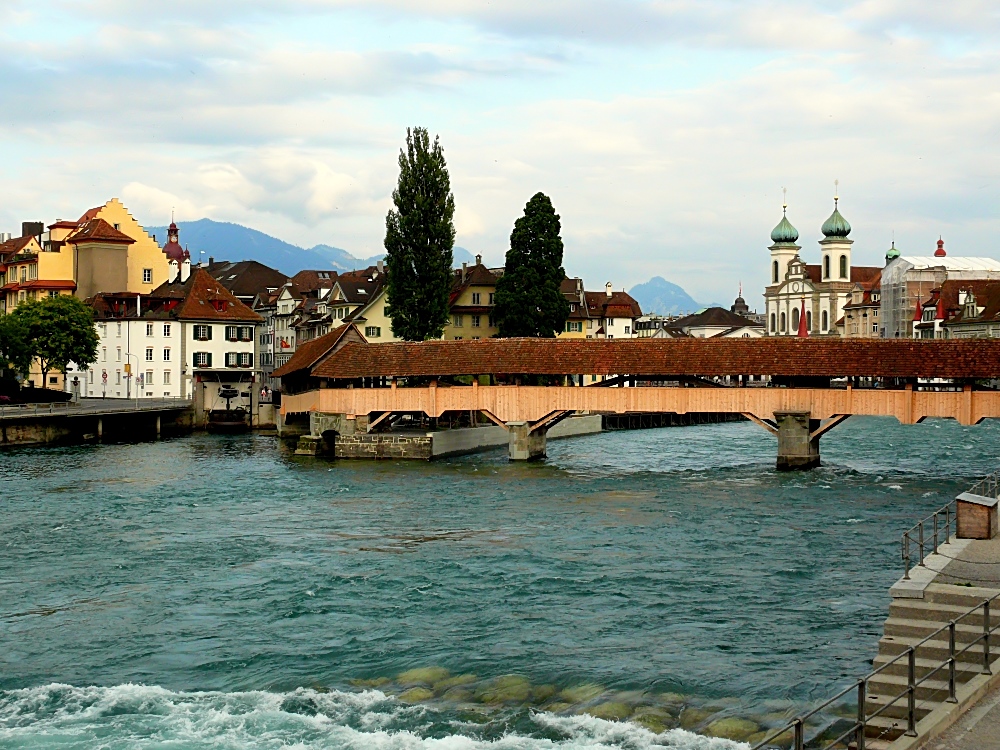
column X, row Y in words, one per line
column 803, row 327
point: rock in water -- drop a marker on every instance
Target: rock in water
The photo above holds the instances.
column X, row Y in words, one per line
column 732, row 728
column 692, row 717
column 582, row 693
column 612, row 711
column 510, row 688
column 442, row 686
column 416, row 694
column 656, row 720
column 423, row 675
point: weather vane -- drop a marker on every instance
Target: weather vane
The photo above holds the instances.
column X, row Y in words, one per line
column 836, row 191
column 784, row 199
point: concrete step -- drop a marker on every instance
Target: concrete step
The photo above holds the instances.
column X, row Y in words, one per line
column 964, row 596
column 883, row 729
column 964, row 670
column 918, row 609
column 933, row 689
column 964, row 634
column 898, row 710
column 937, row 650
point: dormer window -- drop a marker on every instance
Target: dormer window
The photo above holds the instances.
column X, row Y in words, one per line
column 220, row 305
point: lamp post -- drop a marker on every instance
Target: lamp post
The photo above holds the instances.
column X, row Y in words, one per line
column 129, row 375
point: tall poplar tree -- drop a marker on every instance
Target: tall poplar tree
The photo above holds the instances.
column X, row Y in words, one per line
column 419, row 236
column 528, row 299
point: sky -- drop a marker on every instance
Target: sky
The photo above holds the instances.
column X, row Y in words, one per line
column 662, row 130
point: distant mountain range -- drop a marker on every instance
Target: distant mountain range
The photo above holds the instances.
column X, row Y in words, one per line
column 223, row 240
column 660, row 297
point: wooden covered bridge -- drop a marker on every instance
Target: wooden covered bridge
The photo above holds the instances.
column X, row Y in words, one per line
column 795, row 388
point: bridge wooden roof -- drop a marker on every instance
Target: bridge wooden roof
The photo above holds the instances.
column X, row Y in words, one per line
column 902, row 358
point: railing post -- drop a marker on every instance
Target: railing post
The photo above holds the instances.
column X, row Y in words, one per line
column 799, row 733
column 986, row 637
column 920, row 541
column 935, row 533
column 947, row 523
column 911, row 693
column 859, row 735
column 952, row 698
column 906, row 553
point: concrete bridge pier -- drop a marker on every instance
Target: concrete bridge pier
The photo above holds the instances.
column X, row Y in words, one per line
column 525, row 444
column 798, row 440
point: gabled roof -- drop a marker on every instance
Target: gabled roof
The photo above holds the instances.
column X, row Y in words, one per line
column 717, row 317
column 98, row 230
column 16, row 245
column 359, row 287
column 310, row 353
column 987, row 294
column 90, row 214
column 310, row 281
column 622, row 304
column 247, row 278
column 204, row 298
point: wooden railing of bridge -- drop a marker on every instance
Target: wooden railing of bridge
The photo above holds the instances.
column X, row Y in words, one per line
column 511, row 403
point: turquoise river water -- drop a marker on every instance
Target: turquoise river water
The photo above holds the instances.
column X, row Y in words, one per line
column 218, row 592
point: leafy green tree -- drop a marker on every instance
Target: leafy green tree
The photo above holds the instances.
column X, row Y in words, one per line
column 60, row 330
column 528, row 299
column 15, row 348
column 419, row 236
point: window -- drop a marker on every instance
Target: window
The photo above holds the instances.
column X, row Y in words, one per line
column 166, row 329
column 203, row 333
column 149, row 378
column 385, row 312
column 104, row 354
column 166, row 354
column 231, row 359
column 90, row 376
column 826, row 266
column 203, row 359
column 118, row 226
column 219, row 304
column 826, row 320
column 456, row 320
column 795, row 319
column 149, row 354
column 53, row 294
column 232, row 333
column 475, row 298
column 118, row 356
column 492, row 297
column 147, row 275
column 626, row 330
column 119, row 330
column 166, row 377
column 774, row 272
column 574, row 326
column 782, row 329
column 373, row 332
column 874, row 327
column 843, row 266
column 809, row 320
column 773, row 319
column 458, row 338
column 475, row 321
column 245, row 359
column 149, row 329
column 492, row 321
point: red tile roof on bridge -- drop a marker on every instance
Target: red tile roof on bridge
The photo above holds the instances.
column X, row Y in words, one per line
column 902, row 358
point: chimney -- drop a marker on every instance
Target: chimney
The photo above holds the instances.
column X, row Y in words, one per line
column 607, row 288
column 479, row 260
column 940, row 253
column 465, row 270
column 32, row 228
column 211, row 260
column 380, row 265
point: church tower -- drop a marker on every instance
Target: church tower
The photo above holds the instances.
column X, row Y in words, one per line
column 835, row 247
column 783, row 248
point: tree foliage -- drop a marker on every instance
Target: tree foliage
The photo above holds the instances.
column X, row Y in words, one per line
column 528, row 299
column 15, row 351
column 419, row 236
column 59, row 330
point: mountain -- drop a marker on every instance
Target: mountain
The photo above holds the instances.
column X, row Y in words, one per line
column 661, row 297
column 223, row 240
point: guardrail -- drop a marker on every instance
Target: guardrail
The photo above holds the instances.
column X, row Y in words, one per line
column 856, row 733
column 915, row 536
column 32, row 409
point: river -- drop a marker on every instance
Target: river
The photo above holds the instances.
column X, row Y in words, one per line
column 216, row 591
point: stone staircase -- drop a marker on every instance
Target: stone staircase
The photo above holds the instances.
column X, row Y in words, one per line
column 909, row 622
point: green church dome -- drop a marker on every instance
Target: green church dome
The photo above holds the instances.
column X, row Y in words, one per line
column 836, row 225
column 784, row 233
column 892, row 253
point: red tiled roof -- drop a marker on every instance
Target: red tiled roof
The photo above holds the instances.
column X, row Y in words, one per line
column 861, row 274
column 902, row 358
column 308, row 354
column 98, row 230
column 623, row 304
column 199, row 296
column 91, row 214
column 715, row 317
column 43, row 284
column 310, row 281
column 14, row 246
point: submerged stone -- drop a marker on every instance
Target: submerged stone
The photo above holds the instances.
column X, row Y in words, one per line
column 416, row 694
column 656, row 720
column 558, row 707
column 424, row 675
column 582, row 693
column 671, row 699
column 510, row 688
column 732, row 728
column 783, row 740
column 462, row 679
column 692, row 717
column 542, row 693
column 612, row 711
column 458, row 694
column 373, row 683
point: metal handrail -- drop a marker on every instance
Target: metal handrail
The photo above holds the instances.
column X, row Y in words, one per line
column 987, row 487
column 917, row 531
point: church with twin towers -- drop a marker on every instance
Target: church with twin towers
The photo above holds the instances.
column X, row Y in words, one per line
column 808, row 299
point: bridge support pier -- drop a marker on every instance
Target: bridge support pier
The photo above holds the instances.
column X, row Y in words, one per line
column 798, row 448
column 100, row 428
column 525, row 444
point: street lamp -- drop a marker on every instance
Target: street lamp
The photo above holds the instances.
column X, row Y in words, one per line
column 128, row 376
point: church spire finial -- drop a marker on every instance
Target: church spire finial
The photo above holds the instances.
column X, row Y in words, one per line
column 836, row 192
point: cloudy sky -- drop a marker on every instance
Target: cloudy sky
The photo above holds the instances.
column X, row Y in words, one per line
column 663, row 130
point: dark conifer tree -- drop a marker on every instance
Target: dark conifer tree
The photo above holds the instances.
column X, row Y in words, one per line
column 528, row 299
column 419, row 235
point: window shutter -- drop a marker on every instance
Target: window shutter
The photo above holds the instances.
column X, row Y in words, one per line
column 208, row 355
column 208, row 337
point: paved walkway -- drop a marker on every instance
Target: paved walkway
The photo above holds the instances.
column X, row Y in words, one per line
column 979, row 729
column 92, row 407
column 978, row 564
